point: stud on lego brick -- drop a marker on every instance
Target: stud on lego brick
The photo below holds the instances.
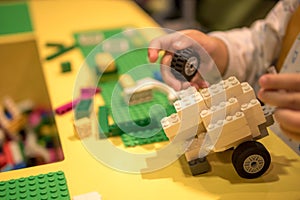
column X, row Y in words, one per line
column 190, row 104
column 220, row 111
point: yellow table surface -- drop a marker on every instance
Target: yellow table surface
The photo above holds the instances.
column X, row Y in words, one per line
column 56, row 21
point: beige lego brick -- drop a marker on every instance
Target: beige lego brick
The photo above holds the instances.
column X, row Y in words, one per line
column 221, row 133
column 126, row 81
column 183, row 129
column 171, row 125
column 230, row 138
column 213, row 95
column 187, row 92
column 219, row 112
column 83, row 127
column 253, row 112
column 105, row 62
column 232, row 87
column 248, row 93
column 193, row 150
column 254, row 131
column 234, row 144
column 221, row 91
column 190, row 104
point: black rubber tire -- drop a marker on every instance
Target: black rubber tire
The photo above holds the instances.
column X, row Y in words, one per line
column 251, row 159
column 185, row 64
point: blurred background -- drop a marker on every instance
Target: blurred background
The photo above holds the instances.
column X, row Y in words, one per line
column 206, row 15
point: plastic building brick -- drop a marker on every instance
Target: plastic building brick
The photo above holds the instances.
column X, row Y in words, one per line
column 83, row 108
column 86, row 93
column 89, row 92
column 142, row 137
column 52, row 185
column 61, row 49
column 11, row 119
column 135, row 92
column 90, row 39
column 83, row 127
column 222, row 124
column 66, row 66
column 105, row 63
column 88, row 196
column 185, row 64
column 199, row 166
column 103, row 122
column 66, row 107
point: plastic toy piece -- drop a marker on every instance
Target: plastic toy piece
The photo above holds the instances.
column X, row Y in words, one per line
column 83, row 108
column 86, row 93
column 65, row 67
column 61, row 49
column 88, row 196
column 66, row 107
column 11, row 118
column 90, row 39
column 222, row 125
column 89, row 92
column 199, row 166
column 141, row 91
column 135, row 92
column 185, row 62
column 83, row 127
column 105, row 63
column 52, row 186
column 130, row 141
column 103, row 122
column 251, row 159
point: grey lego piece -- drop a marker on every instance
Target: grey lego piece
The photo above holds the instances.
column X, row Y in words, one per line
column 199, row 166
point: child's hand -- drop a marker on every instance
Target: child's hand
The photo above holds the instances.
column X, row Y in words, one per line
column 283, row 91
column 181, row 40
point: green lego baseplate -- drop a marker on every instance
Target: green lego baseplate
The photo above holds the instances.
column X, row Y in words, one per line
column 135, row 120
column 48, row 186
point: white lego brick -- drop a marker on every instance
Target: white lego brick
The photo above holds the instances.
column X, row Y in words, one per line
column 83, row 127
column 213, row 95
column 248, row 93
column 193, row 150
column 221, row 133
column 187, row 92
column 190, row 104
column 255, row 131
column 253, row 112
column 229, row 139
column 171, row 125
column 219, row 112
column 88, row 196
column 181, row 128
column 232, row 87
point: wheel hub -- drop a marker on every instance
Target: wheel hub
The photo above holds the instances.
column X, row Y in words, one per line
column 253, row 163
column 191, row 66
